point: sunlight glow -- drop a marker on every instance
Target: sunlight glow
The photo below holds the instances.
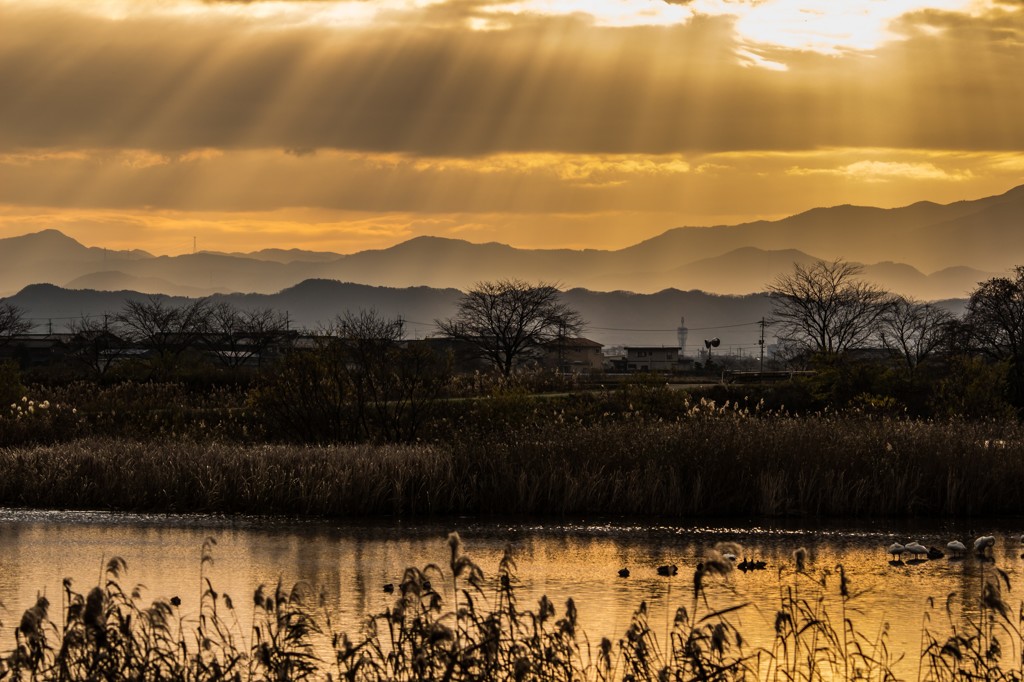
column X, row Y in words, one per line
column 825, row 27
column 620, row 13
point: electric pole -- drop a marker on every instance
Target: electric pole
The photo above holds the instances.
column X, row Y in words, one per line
column 760, row 342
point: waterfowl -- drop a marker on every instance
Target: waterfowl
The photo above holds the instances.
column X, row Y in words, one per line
column 623, row 572
column 897, row 550
column 984, row 544
column 956, row 549
column 668, row 571
column 916, row 548
column 389, row 588
column 935, row 553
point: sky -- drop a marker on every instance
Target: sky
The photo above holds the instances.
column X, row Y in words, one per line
column 237, row 125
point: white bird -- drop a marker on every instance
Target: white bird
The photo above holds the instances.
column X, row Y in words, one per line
column 916, row 548
column 956, row 548
column 984, row 544
column 897, row 550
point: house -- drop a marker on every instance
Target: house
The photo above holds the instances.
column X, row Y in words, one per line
column 35, row 350
column 652, row 358
column 465, row 357
column 572, row 355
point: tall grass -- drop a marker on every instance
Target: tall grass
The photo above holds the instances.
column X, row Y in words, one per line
column 713, row 462
column 451, row 623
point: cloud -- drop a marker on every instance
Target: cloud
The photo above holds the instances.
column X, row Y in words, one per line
column 142, row 158
column 557, row 84
column 697, row 188
column 886, row 171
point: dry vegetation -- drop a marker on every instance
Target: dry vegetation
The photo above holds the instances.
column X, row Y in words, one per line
column 454, row 624
column 710, row 460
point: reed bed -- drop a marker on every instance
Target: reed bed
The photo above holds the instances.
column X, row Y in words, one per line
column 718, row 461
column 452, row 623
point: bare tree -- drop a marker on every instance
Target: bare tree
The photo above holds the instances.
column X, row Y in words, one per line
column 392, row 380
column 995, row 316
column 508, row 319
column 12, row 321
column 97, row 343
column 362, row 381
column 915, row 330
column 995, row 322
column 236, row 336
column 166, row 330
column 826, row 307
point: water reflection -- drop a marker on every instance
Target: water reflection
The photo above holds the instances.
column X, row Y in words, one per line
column 352, row 563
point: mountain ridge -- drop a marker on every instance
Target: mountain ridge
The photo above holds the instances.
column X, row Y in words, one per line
column 926, row 250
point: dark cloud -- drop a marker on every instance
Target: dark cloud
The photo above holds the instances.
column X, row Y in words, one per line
column 545, row 84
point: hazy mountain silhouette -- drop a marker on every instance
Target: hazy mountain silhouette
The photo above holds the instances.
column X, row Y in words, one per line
column 51, row 256
column 926, row 250
column 111, row 280
column 613, row 318
column 282, row 255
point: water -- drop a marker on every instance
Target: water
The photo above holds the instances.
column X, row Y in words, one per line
column 352, row 563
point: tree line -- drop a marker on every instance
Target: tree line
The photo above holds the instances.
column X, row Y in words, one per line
column 504, row 322
column 825, row 314
column 865, row 342
column 165, row 332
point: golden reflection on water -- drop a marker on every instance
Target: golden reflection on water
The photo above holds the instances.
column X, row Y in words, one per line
column 352, row 563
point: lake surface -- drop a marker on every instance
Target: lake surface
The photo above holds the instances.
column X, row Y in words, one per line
column 581, row 559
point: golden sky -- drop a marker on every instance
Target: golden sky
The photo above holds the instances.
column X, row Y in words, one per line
column 358, row 124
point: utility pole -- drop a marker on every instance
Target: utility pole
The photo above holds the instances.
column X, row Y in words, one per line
column 760, row 342
column 561, row 345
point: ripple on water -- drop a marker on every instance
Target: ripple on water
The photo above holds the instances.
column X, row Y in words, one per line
column 578, row 558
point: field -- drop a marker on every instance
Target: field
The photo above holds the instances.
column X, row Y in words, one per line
column 710, row 461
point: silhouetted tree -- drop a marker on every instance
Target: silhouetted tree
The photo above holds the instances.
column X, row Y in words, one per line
column 236, row 336
column 12, row 321
column 508, row 319
column 97, row 343
column 166, row 330
column 392, row 381
column 995, row 319
column 826, row 308
column 915, row 330
column 362, row 381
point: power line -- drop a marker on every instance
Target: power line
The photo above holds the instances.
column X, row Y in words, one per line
column 692, row 329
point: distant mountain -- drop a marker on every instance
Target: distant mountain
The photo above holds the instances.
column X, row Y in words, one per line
column 118, row 281
column 926, row 250
column 612, row 318
column 51, row 256
column 283, row 255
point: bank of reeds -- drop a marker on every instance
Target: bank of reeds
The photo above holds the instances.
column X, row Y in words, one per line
column 716, row 461
column 451, row 623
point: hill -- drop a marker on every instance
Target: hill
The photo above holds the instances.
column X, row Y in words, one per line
column 926, row 250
